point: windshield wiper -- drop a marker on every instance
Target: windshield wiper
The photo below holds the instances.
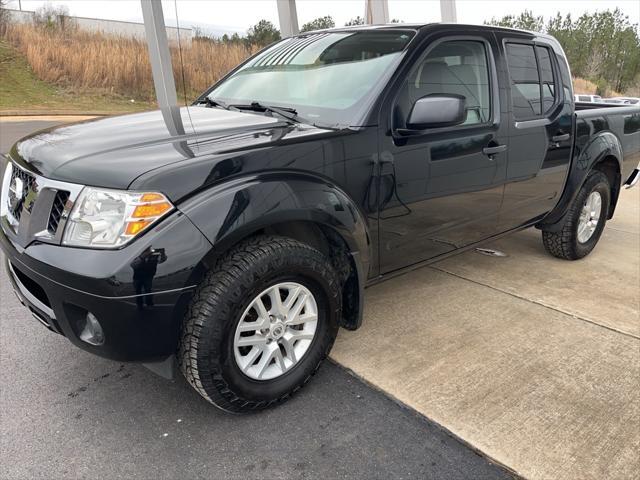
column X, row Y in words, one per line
column 286, row 112
column 214, row 103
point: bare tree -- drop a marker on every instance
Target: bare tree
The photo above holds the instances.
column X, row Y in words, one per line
column 5, row 16
column 51, row 17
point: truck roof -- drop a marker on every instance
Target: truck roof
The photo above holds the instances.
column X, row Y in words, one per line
column 420, row 26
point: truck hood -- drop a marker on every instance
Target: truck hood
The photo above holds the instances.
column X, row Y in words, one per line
column 112, row 152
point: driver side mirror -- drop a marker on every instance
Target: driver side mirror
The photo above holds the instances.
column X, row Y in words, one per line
column 437, row 110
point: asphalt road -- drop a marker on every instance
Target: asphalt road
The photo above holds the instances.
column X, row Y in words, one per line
column 67, row 414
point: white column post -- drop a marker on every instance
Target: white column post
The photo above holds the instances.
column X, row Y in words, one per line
column 288, row 17
column 160, row 57
column 376, row 12
column 448, row 11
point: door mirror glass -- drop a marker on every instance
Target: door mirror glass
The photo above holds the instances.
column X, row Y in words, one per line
column 437, row 110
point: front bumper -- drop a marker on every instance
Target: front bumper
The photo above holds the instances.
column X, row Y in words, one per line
column 140, row 315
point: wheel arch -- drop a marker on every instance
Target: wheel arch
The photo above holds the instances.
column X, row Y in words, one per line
column 303, row 207
column 611, row 167
column 602, row 152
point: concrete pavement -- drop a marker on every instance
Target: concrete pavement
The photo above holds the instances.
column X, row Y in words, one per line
column 533, row 360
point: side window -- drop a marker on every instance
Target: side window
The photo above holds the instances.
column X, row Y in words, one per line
column 546, row 76
column 584, row 98
column 533, row 85
column 525, row 82
column 456, row 67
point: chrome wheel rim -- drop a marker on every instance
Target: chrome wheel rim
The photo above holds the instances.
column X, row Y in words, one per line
column 589, row 217
column 275, row 331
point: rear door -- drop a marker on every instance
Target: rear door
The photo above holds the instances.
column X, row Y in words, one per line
column 540, row 124
column 442, row 190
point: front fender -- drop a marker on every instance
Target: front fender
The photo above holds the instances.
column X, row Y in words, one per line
column 594, row 149
column 235, row 209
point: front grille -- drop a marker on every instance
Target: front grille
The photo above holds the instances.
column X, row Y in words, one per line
column 57, row 208
column 34, row 208
column 25, row 182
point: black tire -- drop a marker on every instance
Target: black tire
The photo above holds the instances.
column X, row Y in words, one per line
column 206, row 349
column 564, row 243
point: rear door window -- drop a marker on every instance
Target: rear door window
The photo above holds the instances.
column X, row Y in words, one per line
column 533, row 82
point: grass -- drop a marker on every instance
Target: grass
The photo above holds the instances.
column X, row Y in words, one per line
column 80, row 69
column 21, row 90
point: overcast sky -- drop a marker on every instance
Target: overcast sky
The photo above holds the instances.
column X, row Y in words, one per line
column 241, row 14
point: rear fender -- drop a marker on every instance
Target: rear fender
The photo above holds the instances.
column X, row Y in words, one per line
column 598, row 148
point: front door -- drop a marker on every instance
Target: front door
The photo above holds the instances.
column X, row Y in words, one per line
column 442, row 189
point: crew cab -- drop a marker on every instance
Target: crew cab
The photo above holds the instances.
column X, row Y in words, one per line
column 233, row 237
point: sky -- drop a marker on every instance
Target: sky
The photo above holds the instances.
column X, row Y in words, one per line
column 239, row 15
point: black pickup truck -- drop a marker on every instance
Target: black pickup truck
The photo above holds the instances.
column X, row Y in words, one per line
column 234, row 237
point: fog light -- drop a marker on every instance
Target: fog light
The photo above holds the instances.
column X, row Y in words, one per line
column 92, row 331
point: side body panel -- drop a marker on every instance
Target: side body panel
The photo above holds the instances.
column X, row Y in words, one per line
column 537, row 165
column 326, row 179
column 600, row 133
column 438, row 190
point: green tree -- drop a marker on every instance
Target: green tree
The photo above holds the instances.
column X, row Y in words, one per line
column 263, row 33
column 318, row 24
column 603, row 47
column 355, row 21
column 524, row 21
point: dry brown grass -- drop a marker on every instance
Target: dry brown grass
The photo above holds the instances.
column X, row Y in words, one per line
column 87, row 61
column 584, row 87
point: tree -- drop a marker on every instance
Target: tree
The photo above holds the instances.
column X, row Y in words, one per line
column 263, row 33
column 52, row 17
column 524, row 21
column 603, row 47
column 355, row 21
column 318, row 24
column 5, row 16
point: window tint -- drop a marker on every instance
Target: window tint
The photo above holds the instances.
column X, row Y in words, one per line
column 546, row 74
column 456, row 67
column 525, row 82
column 584, row 98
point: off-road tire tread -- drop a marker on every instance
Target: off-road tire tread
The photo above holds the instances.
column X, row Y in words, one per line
column 562, row 244
column 215, row 298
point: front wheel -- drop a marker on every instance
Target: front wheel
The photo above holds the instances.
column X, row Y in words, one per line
column 584, row 222
column 260, row 324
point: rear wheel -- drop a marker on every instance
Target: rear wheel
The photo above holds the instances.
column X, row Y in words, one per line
column 260, row 324
column 584, row 222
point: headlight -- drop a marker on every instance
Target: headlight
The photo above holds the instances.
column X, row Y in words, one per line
column 103, row 218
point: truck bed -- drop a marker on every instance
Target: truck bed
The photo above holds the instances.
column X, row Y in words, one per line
column 622, row 120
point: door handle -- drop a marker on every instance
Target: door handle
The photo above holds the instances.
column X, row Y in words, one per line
column 493, row 149
column 560, row 138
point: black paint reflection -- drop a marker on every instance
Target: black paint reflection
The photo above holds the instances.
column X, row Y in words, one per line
column 144, row 269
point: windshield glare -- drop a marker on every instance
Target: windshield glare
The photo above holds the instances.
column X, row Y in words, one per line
column 324, row 76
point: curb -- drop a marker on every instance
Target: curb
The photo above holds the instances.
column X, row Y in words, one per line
column 53, row 113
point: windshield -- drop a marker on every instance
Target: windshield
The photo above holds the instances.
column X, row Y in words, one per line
column 325, row 77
